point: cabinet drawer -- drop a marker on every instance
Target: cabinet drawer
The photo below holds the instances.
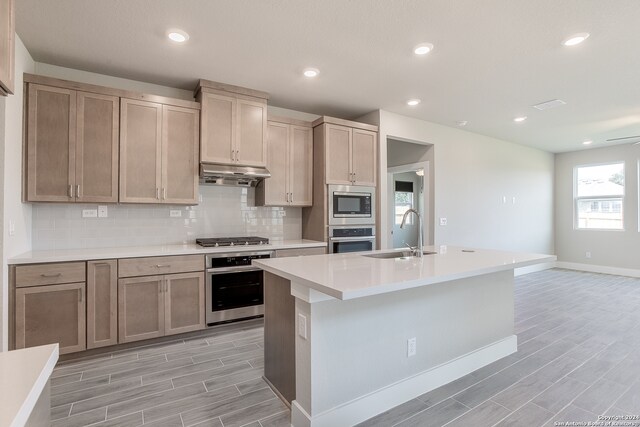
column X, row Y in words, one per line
column 132, row 267
column 50, row 274
column 282, row 253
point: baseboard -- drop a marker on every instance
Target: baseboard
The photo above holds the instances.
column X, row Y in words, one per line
column 618, row 271
column 381, row 400
column 533, row 268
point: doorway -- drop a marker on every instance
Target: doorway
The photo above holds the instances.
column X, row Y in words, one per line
column 406, row 185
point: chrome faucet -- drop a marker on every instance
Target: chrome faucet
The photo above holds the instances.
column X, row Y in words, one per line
column 418, row 250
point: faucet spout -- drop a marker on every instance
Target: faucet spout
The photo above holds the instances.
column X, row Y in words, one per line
column 418, row 251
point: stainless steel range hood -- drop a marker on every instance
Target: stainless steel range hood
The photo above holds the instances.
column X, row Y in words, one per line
column 243, row 176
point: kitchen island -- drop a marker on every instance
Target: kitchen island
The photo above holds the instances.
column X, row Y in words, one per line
column 373, row 330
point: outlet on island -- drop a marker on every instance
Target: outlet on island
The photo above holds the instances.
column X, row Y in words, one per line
column 411, row 347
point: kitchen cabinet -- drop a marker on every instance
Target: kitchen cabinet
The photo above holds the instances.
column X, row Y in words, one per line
column 290, row 162
column 72, row 146
column 49, row 301
column 152, row 305
column 350, row 156
column 7, row 46
column 158, row 153
column 233, row 124
column 102, row 303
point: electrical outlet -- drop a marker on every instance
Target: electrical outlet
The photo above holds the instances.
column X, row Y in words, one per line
column 587, row 254
column 89, row 213
column 411, row 347
column 302, row 325
column 12, row 227
column 175, row 213
column 102, row 211
column 443, row 221
column 282, row 213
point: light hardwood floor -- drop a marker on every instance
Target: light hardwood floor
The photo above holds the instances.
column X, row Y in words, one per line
column 578, row 357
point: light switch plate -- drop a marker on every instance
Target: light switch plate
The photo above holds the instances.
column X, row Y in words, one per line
column 175, row 213
column 302, row 325
column 282, row 213
column 102, row 211
column 443, row 221
column 12, row 227
column 89, row 213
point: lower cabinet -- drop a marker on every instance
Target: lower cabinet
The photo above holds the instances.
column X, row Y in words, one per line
column 102, row 303
column 154, row 306
column 51, row 314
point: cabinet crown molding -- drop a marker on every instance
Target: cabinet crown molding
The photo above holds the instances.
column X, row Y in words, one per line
column 335, row 121
column 208, row 85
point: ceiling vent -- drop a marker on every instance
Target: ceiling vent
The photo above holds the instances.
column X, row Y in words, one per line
column 549, row 104
column 626, row 139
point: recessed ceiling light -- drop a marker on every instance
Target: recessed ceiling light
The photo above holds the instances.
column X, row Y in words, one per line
column 520, row 119
column 413, row 102
column 423, row 49
column 575, row 39
column 311, row 72
column 178, row 36
column 587, row 142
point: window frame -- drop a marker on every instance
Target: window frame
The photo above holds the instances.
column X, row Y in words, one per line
column 577, row 199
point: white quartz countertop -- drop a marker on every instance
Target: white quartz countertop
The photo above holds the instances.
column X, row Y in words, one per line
column 23, row 376
column 353, row 275
column 35, row 257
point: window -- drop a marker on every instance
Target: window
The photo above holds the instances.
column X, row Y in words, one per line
column 403, row 200
column 599, row 196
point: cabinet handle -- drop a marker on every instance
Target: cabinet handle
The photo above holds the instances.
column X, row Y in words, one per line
column 164, row 193
column 291, row 197
column 166, row 286
column 51, row 275
column 237, row 155
column 78, row 191
column 233, row 155
column 157, row 193
column 71, row 191
column 163, row 265
column 81, row 295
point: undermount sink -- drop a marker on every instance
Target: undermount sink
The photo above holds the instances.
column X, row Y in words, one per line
column 398, row 254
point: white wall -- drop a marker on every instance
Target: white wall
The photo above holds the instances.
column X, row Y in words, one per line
column 471, row 175
column 13, row 209
column 617, row 248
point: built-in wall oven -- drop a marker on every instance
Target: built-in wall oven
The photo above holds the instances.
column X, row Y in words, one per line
column 352, row 238
column 234, row 288
column 351, row 204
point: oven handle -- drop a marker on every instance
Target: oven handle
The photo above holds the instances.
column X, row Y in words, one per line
column 227, row 270
column 351, row 239
column 352, row 194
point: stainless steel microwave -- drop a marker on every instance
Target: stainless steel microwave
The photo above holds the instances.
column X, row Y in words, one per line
column 351, row 204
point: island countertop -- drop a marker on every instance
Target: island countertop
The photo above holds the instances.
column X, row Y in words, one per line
column 355, row 275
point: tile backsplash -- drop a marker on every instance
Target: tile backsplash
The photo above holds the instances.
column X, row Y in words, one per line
column 223, row 211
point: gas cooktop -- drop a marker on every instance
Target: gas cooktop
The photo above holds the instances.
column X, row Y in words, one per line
column 232, row 241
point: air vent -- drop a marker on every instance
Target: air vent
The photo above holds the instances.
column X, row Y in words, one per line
column 626, row 139
column 549, row 104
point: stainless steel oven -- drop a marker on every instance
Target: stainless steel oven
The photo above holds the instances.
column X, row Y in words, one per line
column 234, row 288
column 352, row 238
column 351, row 204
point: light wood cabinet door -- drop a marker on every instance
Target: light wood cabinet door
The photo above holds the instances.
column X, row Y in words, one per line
column 51, row 314
column 217, row 128
column 363, row 157
column 102, row 303
column 250, row 144
column 51, row 144
column 183, row 303
column 97, row 134
column 140, row 151
column 276, row 187
column 179, row 155
column 338, row 154
column 300, row 166
column 140, row 308
column 7, row 46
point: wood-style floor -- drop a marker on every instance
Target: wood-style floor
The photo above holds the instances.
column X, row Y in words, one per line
column 578, row 357
column 213, row 379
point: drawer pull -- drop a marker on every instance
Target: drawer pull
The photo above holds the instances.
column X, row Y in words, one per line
column 51, row 275
column 163, row 265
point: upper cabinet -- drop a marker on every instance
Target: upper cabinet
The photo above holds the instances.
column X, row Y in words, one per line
column 233, row 124
column 72, row 146
column 158, row 153
column 290, row 161
column 7, row 46
column 93, row 144
column 350, row 151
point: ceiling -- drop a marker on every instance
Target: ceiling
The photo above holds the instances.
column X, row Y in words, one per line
column 493, row 59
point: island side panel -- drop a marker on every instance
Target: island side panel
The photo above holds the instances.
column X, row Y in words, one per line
column 359, row 347
column 279, row 336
